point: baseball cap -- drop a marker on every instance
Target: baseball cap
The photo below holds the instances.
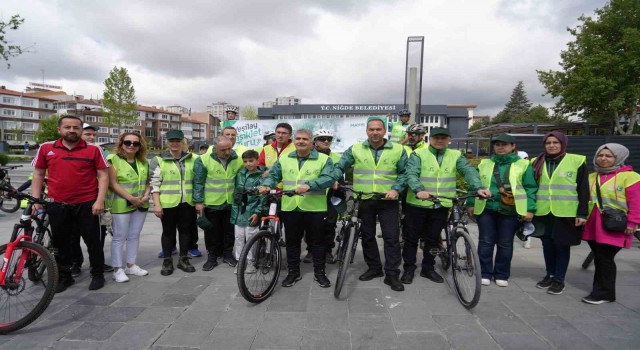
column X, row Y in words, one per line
column 439, row 131
column 504, row 138
column 174, row 134
column 89, row 126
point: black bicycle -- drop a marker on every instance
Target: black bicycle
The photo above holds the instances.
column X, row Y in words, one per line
column 24, row 298
column 8, row 202
column 261, row 258
column 458, row 251
column 349, row 235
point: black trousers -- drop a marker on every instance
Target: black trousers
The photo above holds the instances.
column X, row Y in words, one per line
column 604, row 278
column 219, row 241
column 426, row 224
column 299, row 224
column 329, row 226
column 387, row 213
column 69, row 220
column 182, row 218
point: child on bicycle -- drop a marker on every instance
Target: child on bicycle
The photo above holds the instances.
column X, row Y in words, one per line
column 247, row 209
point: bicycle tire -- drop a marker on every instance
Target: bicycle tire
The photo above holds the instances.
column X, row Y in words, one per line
column 465, row 268
column 588, row 260
column 256, row 287
column 445, row 260
column 9, row 204
column 345, row 255
column 16, row 290
column 36, row 266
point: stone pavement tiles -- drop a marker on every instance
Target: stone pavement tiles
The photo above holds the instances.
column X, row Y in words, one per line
column 204, row 310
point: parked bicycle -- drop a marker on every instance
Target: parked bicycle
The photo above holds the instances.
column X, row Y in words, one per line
column 458, row 251
column 24, row 298
column 8, row 203
column 257, row 277
column 349, row 235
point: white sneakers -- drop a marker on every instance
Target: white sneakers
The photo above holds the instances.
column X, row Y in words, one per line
column 250, row 269
column 135, row 270
column 502, row 283
column 486, row 281
column 119, row 275
column 527, row 244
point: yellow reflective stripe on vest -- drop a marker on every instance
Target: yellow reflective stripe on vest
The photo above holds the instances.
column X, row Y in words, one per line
column 437, row 179
column 371, row 177
column 174, row 189
column 558, row 195
column 516, row 173
column 219, row 184
column 613, row 191
column 293, row 176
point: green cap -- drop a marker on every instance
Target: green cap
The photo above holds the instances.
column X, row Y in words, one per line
column 504, row 138
column 174, row 134
column 439, row 131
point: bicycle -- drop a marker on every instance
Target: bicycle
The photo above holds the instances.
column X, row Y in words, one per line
column 458, row 251
column 257, row 277
column 23, row 300
column 8, row 203
column 349, row 235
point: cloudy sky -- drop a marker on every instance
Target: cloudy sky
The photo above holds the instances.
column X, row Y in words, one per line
column 244, row 52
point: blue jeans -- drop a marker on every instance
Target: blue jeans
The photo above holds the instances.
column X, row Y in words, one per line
column 556, row 258
column 496, row 230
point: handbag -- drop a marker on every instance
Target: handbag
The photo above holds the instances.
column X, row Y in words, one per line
column 506, row 196
column 613, row 219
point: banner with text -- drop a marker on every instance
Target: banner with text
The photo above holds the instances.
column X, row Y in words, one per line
column 346, row 131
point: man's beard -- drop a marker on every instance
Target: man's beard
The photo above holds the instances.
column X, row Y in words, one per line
column 71, row 137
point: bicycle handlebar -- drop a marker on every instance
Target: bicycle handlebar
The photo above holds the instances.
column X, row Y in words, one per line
column 376, row 195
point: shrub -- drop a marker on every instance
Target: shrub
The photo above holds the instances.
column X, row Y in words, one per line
column 4, row 159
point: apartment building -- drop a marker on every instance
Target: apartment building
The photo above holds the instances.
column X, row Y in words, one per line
column 20, row 115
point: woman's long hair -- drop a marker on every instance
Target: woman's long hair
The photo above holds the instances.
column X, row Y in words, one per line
column 141, row 154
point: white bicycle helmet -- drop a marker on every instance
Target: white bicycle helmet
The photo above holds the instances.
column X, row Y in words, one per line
column 322, row 132
column 232, row 108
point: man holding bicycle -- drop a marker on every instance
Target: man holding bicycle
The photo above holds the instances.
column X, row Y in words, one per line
column 432, row 171
column 68, row 158
column 379, row 166
column 310, row 174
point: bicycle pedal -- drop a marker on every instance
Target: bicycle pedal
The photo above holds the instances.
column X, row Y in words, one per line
column 435, row 251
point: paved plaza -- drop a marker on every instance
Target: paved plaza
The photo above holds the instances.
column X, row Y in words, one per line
column 204, row 310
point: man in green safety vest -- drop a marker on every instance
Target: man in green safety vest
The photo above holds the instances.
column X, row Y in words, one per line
column 398, row 130
column 213, row 182
column 310, row 173
column 379, row 166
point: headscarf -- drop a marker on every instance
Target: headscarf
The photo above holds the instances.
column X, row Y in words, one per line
column 542, row 157
column 619, row 151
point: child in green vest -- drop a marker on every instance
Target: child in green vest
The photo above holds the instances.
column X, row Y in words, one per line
column 247, row 210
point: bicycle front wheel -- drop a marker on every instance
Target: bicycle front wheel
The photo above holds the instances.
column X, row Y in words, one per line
column 259, row 267
column 9, row 204
column 465, row 267
column 22, row 300
column 445, row 260
column 345, row 254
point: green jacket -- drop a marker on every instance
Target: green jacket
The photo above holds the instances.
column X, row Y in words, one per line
column 528, row 182
column 253, row 204
column 347, row 160
column 200, row 176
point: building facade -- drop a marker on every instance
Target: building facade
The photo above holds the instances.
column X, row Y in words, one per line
column 20, row 115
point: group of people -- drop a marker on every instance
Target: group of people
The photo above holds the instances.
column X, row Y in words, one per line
column 553, row 191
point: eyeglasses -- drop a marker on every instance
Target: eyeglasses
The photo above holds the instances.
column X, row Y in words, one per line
column 131, row 143
column 324, row 139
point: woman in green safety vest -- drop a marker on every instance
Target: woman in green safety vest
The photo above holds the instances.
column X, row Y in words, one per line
column 561, row 206
column 128, row 200
column 619, row 188
column 504, row 173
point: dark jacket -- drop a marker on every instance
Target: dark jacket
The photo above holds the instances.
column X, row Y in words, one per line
column 246, row 205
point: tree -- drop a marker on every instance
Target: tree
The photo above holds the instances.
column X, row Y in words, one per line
column 7, row 50
column 517, row 108
column 119, row 101
column 249, row 113
column 479, row 124
column 48, row 129
column 600, row 76
column 540, row 114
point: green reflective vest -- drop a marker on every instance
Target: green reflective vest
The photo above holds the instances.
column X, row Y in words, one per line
column 271, row 154
column 293, row 176
column 398, row 132
column 240, row 149
column 371, row 177
column 613, row 191
column 558, row 195
column 218, row 186
column 175, row 189
column 335, row 157
column 437, row 179
column 132, row 182
column 410, row 150
column 516, row 173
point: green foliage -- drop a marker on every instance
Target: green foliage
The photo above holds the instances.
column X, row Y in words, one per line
column 48, row 130
column 600, row 76
column 4, row 159
column 540, row 114
column 517, row 108
column 479, row 124
column 8, row 50
column 249, row 113
column 119, row 99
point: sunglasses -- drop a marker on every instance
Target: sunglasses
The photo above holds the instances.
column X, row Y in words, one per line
column 324, row 139
column 131, row 143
